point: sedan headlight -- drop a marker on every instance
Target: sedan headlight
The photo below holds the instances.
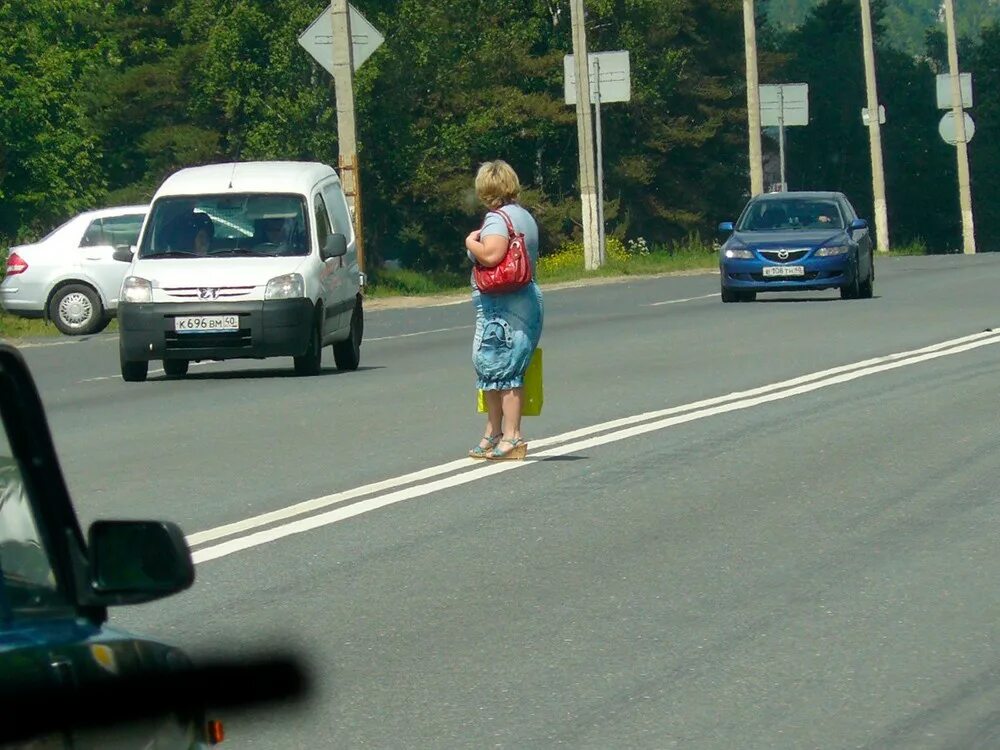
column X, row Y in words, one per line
column 289, row 286
column 136, row 289
column 825, row 252
column 739, row 251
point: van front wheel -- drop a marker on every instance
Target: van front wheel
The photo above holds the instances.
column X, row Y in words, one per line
column 347, row 353
column 311, row 362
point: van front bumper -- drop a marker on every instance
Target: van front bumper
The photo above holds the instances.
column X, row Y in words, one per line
column 272, row 328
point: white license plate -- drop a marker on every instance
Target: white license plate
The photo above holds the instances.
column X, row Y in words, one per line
column 771, row 271
column 207, row 323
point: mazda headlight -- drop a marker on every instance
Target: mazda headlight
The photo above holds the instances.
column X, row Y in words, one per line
column 136, row 289
column 825, row 252
column 289, row 286
column 738, row 251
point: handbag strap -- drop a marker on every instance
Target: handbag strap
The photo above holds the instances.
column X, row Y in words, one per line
column 511, row 234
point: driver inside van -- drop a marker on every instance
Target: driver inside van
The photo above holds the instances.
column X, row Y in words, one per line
column 192, row 232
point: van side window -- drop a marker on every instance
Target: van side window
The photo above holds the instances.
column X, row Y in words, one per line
column 322, row 220
column 338, row 209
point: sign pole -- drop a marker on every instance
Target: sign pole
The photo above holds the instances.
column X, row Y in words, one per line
column 874, row 131
column 781, row 135
column 601, row 254
column 961, row 143
column 585, row 137
column 753, row 99
column 343, row 83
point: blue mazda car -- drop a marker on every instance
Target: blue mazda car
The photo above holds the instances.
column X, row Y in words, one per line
column 786, row 242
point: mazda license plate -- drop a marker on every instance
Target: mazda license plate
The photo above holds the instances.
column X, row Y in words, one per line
column 783, row 271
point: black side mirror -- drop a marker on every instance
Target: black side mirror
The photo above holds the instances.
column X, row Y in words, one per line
column 138, row 561
column 336, row 246
column 123, row 253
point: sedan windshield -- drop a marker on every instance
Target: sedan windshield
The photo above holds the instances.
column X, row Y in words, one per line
column 791, row 213
column 249, row 224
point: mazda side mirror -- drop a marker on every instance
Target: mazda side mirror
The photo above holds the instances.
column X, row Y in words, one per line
column 124, row 253
column 726, row 226
column 858, row 224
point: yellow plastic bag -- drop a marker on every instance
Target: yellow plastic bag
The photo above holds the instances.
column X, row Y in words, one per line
column 533, row 393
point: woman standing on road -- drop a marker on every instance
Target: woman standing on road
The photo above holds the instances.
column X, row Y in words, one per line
column 508, row 326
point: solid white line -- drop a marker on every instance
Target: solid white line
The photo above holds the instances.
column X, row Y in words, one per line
column 686, row 299
column 766, row 394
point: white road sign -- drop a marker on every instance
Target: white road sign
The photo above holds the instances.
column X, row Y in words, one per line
column 944, row 90
column 784, row 104
column 318, row 38
column 615, row 77
column 947, row 128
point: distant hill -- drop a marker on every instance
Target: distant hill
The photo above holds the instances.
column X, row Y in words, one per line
column 906, row 21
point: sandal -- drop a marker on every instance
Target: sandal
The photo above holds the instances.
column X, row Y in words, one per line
column 518, row 450
column 480, row 452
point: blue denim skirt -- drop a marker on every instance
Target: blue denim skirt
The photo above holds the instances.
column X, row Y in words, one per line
column 508, row 328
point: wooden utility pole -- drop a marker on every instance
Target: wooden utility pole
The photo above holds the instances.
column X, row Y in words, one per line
column 343, row 84
column 585, row 136
column 961, row 145
column 874, row 130
column 753, row 99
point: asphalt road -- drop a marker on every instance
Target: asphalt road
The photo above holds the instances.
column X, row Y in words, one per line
column 764, row 525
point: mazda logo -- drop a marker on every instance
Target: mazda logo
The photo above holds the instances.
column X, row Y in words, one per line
column 782, row 255
column 208, row 293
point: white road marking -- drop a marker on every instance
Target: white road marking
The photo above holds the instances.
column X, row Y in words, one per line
column 578, row 440
column 418, row 333
column 159, row 371
column 686, row 299
column 367, row 340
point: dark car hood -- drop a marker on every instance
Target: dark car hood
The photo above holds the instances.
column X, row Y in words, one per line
column 791, row 238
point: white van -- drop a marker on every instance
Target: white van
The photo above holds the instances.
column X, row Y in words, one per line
column 244, row 260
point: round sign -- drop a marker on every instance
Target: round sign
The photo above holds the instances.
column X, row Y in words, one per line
column 947, row 128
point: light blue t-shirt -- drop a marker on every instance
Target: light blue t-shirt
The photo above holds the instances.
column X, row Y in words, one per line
column 523, row 222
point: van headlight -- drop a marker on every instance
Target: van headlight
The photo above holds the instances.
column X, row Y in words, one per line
column 289, row 286
column 136, row 289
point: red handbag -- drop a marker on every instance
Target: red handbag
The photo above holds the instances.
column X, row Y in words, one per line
column 511, row 273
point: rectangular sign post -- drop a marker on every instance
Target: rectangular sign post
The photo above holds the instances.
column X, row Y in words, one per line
column 610, row 81
column 784, row 105
column 326, row 40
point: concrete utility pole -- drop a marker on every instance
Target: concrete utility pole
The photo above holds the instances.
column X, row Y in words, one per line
column 753, row 99
column 343, row 86
column 874, row 131
column 961, row 145
column 585, row 136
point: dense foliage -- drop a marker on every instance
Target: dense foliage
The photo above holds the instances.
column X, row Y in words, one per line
column 103, row 98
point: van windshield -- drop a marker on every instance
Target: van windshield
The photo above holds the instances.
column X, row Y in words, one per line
column 233, row 224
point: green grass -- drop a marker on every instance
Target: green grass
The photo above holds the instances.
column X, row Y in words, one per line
column 16, row 328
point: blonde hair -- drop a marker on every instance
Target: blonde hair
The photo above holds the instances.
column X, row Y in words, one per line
column 497, row 184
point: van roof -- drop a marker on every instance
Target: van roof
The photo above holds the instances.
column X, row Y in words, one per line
column 247, row 177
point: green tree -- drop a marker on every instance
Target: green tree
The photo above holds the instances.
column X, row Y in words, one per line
column 49, row 152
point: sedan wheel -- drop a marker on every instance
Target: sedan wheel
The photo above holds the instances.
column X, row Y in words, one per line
column 866, row 289
column 76, row 310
